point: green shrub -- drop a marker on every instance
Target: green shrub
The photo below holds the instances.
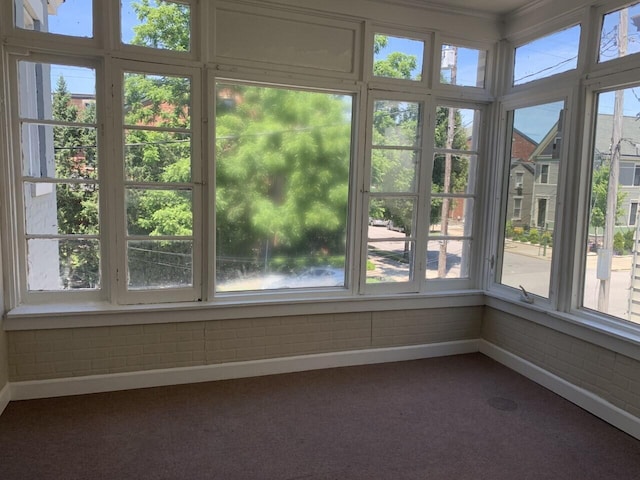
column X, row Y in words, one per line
column 508, row 231
column 534, row 236
column 628, row 240
column 618, row 243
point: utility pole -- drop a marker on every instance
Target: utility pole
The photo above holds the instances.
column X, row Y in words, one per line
column 605, row 255
column 451, row 129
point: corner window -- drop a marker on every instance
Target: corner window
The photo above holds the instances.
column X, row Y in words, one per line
column 546, row 56
column 527, row 247
column 283, row 160
column 609, row 265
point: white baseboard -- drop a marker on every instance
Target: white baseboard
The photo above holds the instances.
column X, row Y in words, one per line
column 581, row 397
column 5, row 397
column 207, row 373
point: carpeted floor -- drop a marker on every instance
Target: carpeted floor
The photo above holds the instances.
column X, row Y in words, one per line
column 462, row 417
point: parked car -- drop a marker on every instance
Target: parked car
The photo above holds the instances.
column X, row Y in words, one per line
column 392, row 226
column 378, row 222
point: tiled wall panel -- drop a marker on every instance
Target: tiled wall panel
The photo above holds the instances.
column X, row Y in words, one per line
column 614, row 377
column 59, row 353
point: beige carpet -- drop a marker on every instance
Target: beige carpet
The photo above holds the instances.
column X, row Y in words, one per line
column 462, row 417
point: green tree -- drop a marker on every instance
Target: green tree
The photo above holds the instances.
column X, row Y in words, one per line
column 599, row 188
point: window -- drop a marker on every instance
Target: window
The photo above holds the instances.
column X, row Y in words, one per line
column 633, row 214
column 283, row 161
column 519, row 182
column 462, row 66
column 619, row 33
column 608, row 264
column 398, row 57
column 517, row 208
column 528, row 232
column 543, row 175
column 159, row 189
column 64, row 17
column 138, row 24
column 452, row 193
column 60, row 177
column 396, row 153
column 544, row 57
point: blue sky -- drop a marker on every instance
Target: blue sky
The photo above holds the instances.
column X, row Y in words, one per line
column 550, row 54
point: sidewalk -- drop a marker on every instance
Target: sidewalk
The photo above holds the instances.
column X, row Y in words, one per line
column 619, row 262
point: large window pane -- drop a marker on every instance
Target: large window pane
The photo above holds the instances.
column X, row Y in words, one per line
column 546, row 56
column 397, row 57
column 531, row 197
column 619, row 33
column 156, row 24
column 64, row 17
column 612, row 275
column 282, row 187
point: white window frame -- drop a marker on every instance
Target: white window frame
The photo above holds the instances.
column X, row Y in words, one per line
column 502, row 171
column 157, row 295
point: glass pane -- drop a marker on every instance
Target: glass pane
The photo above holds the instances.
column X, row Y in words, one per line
column 397, row 57
column 619, row 33
column 167, row 106
column 453, row 173
column 152, row 156
column 62, row 264
column 546, row 56
column 159, row 212
column 156, row 24
column 160, row 264
column 59, row 152
column 394, row 170
column 328, row 273
column 612, row 261
column 390, row 262
column 462, row 66
column 64, row 17
column 531, row 197
column 282, row 183
column 57, row 92
column 460, row 135
column 396, row 124
column 448, row 258
column 452, row 217
column 61, row 208
column 396, row 214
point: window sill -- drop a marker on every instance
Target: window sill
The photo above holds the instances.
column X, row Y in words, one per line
column 95, row 314
column 599, row 330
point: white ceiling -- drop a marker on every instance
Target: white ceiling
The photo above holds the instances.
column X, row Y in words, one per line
column 497, row 7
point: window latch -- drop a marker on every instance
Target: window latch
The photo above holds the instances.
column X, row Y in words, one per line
column 525, row 296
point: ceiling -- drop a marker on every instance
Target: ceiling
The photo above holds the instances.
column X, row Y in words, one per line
column 496, row 7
